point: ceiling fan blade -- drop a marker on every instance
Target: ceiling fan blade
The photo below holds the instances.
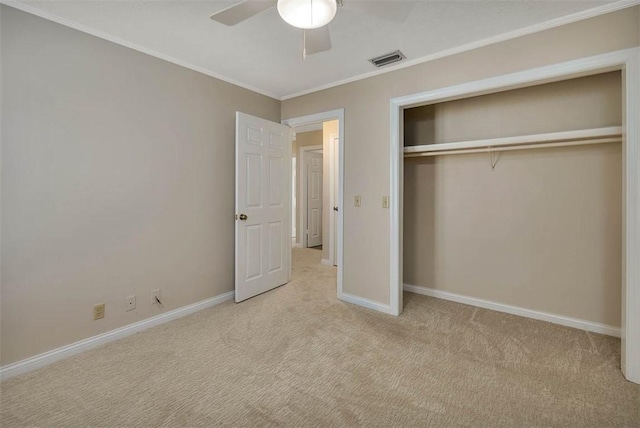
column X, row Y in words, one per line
column 241, row 11
column 317, row 40
column 390, row 10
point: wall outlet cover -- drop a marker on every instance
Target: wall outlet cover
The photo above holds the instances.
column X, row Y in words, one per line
column 154, row 294
column 130, row 303
column 98, row 311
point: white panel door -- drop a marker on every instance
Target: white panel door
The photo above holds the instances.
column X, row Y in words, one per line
column 263, row 174
column 314, row 199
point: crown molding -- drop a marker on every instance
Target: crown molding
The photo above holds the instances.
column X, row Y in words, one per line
column 531, row 29
column 553, row 23
column 105, row 36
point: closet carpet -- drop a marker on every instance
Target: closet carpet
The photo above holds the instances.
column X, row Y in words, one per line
column 296, row 356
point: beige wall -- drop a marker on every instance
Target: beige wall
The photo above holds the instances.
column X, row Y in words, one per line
column 117, row 178
column 541, row 231
column 587, row 102
column 366, row 104
column 303, row 139
column 306, row 139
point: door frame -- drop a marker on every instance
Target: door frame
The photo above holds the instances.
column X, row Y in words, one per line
column 294, row 225
column 333, row 195
column 337, row 114
column 302, row 204
column 627, row 61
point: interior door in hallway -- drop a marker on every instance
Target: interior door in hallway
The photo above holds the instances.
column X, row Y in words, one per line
column 314, row 199
column 262, row 228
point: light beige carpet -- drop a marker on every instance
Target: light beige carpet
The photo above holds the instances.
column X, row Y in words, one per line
column 298, row 357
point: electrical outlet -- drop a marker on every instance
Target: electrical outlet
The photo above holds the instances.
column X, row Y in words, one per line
column 385, row 202
column 98, row 311
column 357, row 201
column 155, row 294
column 130, row 303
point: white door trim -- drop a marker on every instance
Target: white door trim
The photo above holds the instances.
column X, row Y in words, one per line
column 333, row 197
column 302, row 204
column 294, row 201
column 626, row 60
column 323, row 117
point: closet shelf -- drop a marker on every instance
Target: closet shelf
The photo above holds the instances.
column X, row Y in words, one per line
column 610, row 134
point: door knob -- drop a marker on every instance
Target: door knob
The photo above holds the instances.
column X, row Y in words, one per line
column 335, row 209
column 243, row 217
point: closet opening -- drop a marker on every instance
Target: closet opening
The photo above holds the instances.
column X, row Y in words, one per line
column 515, row 199
column 519, row 193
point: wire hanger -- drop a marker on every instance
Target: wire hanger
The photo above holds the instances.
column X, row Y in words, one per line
column 494, row 156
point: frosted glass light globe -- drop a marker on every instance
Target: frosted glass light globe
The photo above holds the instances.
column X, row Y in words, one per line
column 307, row 14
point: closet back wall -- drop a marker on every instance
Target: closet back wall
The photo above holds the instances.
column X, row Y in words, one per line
column 542, row 230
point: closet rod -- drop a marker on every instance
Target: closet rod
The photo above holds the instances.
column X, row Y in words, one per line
column 518, row 147
column 551, row 137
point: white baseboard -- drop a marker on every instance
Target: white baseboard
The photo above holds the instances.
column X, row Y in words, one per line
column 52, row 356
column 326, row 262
column 515, row 310
column 370, row 304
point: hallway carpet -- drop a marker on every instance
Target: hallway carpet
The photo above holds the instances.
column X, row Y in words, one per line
column 297, row 356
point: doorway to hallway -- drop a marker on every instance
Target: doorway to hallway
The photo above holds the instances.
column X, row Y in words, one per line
column 317, row 186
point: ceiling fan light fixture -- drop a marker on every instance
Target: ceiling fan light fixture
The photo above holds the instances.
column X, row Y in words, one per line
column 307, row 14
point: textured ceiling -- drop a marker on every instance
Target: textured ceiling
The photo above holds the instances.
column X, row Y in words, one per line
column 265, row 54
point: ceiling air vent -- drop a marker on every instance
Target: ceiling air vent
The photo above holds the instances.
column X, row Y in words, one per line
column 387, row 59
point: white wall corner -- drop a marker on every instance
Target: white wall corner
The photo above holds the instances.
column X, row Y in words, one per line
column 396, row 203
column 631, row 274
column 366, row 303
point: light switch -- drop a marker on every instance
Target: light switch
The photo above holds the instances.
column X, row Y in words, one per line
column 357, row 201
column 385, row 202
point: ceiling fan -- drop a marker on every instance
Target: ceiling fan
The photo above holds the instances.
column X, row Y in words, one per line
column 313, row 16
